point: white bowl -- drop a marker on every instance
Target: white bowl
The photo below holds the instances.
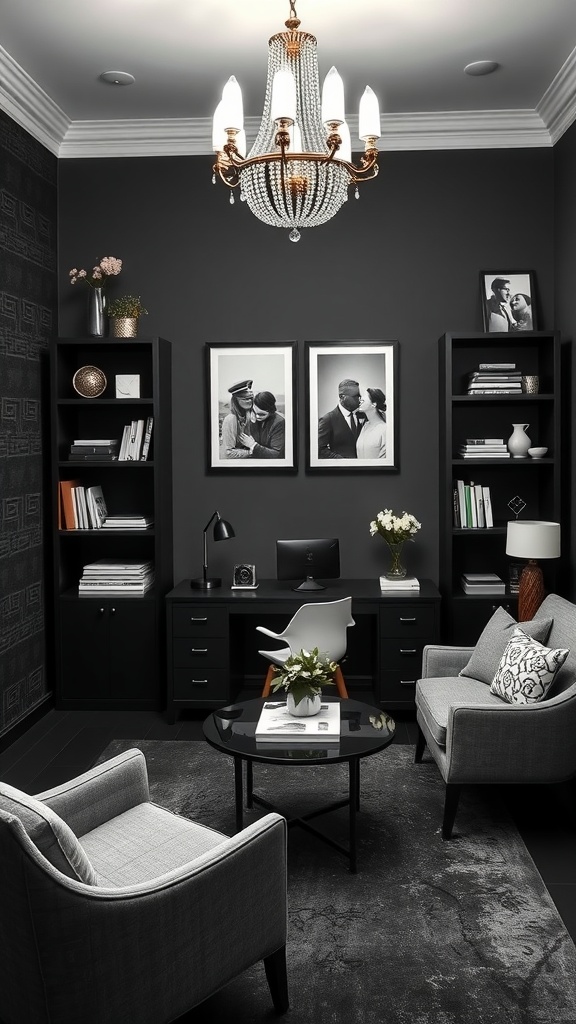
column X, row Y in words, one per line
column 537, row 453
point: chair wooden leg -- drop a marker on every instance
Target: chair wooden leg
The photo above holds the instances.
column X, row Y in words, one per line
column 275, row 967
column 340, row 684
column 450, row 808
column 420, row 745
column 268, row 681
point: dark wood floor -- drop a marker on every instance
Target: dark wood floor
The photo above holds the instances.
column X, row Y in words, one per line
column 65, row 743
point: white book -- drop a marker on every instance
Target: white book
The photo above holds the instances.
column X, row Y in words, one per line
column 487, row 507
column 124, row 443
column 147, row 438
column 94, row 441
column 462, row 503
column 473, row 509
column 482, row 577
column 479, row 506
column 82, row 509
column 276, row 723
column 138, row 440
column 487, row 588
column 75, row 508
column 408, row 583
column 97, row 506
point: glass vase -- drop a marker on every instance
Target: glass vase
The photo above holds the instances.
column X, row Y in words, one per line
column 96, row 307
column 397, row 571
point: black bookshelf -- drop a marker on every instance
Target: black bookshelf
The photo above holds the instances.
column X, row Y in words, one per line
column 535, row 481
column 110, row 651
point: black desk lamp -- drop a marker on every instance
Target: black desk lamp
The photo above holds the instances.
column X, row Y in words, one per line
column 222, row 531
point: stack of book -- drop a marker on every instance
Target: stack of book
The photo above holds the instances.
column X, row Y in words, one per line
column 127, row 523
column 81, row 508
column 482, row 583
column 495, row 379
column 408, row 585
column 276, row 725
column 94, row 450
column 483, row 448
column 111, row 576
column 472, row 506
column 135, row 443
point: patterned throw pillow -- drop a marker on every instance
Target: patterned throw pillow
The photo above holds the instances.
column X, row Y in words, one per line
column 527, row 670
column 491, row 643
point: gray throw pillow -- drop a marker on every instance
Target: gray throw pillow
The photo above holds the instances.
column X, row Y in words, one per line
column 493, row 640
column 527, row 670
column 50, row 834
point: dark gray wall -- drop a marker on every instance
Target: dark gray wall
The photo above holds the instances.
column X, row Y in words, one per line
column 27, row 321
column 401, row 263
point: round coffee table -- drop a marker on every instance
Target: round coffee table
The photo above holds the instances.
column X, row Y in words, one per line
column 364, row 730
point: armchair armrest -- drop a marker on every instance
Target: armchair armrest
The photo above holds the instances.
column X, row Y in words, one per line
column 441, row 660
column 102, row 793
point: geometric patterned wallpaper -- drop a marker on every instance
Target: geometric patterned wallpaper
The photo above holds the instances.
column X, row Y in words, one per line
column 28, row 309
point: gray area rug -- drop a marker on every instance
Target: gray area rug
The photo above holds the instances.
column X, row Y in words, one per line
column 427, row 932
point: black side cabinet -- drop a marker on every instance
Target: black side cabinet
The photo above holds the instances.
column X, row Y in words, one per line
column 110, row 651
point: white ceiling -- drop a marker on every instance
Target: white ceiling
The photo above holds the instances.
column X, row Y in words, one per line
column 412, row 53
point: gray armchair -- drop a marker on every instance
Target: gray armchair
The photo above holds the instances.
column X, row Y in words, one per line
column 115, row 909
column 476, row 738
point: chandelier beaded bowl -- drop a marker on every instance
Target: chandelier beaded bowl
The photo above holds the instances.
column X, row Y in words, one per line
column 299, row 169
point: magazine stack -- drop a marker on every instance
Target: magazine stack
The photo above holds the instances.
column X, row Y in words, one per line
column 115, row 578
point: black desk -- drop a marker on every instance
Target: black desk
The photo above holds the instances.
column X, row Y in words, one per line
column 213, row 643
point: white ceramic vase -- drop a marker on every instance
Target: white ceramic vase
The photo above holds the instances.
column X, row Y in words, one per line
column 307, row 707
column 519, row 442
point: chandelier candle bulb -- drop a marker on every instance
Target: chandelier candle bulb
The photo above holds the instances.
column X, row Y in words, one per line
column 283, row 97
column 233, row 112
column 345, row 151
column 333, row 98
column 295, row 138
column 369, row 116
column 219, row 137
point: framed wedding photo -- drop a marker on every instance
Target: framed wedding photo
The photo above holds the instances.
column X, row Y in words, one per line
column 508, row 301
column 352, row 416
column 251, row 406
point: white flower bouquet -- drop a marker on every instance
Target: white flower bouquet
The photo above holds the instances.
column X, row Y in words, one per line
column 108, row 266
column 394, row 529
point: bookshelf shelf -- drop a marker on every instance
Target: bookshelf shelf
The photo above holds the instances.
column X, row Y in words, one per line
column 536, row 481
column 110, row 648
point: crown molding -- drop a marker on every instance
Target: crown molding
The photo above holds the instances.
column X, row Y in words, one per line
column 32, row 108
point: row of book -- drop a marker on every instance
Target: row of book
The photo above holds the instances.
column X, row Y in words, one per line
column 482, row 583
column 408, row 585
column 495, row 379
column 113, row 577
column 472, row 506
column 483, row 448
column 135, row 443
column 94, row 449
column 84, row 508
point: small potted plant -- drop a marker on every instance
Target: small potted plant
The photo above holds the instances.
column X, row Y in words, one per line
column 302, row 676
column 124, row 313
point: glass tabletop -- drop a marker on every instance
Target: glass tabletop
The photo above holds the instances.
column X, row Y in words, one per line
column 363, row 730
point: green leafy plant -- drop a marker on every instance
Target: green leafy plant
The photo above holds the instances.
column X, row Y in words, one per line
column 304, row 674
column 126, row 306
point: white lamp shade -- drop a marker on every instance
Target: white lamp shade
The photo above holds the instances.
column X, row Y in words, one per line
column 369, row 115
column 232, row 108
column 332, row 98
column 295, row 138
column 531, row 538
column 345, row 151
column 283, row 97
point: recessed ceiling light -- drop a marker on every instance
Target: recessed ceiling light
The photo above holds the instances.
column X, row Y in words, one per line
column 117, row 78
column 481, row 67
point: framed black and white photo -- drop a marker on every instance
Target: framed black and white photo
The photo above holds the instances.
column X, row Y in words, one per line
column 508, row 301
column 352, row 417
column 251, row 406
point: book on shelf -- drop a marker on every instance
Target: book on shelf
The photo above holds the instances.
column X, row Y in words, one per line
column 94, row 449
column 479, row 499
column 67, row 500
column 408, row 583
column 80, row 512
column 482, row 583
column 487, row 507
column 95, row 440
column 472, row 505
column 484, row 440
column 483, row 455
column 147, row 439
column 494, row 391
column 276, row 724
column 124, row 443
column 496, row 366
column 127, row 522
column 116, row 566
column 96, row 506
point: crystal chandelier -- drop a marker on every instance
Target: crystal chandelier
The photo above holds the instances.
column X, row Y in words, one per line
column 298, row 171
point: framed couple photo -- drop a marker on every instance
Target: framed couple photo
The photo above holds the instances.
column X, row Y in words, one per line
column 508, row 301
column 352, row 389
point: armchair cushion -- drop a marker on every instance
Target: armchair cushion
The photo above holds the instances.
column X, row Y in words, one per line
column 50, row 834
column 527, row 670
column 492, row 642
column 436, row 697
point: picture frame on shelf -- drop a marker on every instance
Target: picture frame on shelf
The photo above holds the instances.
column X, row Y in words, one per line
column 342, row 377
column 240, row 435
column 127, row 385
column 508, row 301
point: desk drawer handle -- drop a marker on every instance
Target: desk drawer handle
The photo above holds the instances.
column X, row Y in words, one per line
column 199, row 682
column 413, row 651
column 198, row 618
column 198, row 650
column 407, row 682
column 406, row 619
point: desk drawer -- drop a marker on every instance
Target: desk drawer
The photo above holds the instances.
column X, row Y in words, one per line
column 211, row 684
column 409, row 619
column 199, row 620
column 397, row 688
column 403, row 656
column 209, row 651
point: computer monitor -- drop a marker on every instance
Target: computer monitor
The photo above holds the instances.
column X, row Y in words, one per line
column 308, row 560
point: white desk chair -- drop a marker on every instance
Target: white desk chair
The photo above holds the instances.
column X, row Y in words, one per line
column 320, row 624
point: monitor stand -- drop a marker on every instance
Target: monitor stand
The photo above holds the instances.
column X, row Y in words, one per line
column 310, row 584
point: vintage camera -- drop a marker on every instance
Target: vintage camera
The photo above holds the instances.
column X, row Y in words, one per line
column 244, row 577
